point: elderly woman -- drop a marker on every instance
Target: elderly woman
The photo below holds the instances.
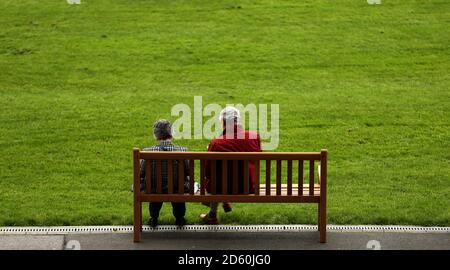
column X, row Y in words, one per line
column 162, row 130
column 234, row 138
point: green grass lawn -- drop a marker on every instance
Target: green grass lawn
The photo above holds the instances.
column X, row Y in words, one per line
column 80, row 86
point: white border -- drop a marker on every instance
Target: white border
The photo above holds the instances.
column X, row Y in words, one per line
column 218, row 228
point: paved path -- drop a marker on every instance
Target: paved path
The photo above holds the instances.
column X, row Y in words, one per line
column 32, row 242
column 230, row 240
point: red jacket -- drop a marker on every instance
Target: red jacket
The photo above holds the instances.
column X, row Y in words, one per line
column 250, row 143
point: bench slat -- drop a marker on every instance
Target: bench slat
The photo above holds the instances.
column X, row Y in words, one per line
column 191, row 176
column 230, row 198
column 231, row 155
column 180, row 176
column 311, row 177
column 284, row 191
column 213, row 177
column 158, row 177
column 278, row 177
column 148, row 176
column 235, row 177
column 300, row 177
column 285, row 186
column 202, row 177
column 268, row 162
column 257, row 169
column 224, row 176
column 283, row 198
column 170, row 176
column 246, row 178
column 289, row 177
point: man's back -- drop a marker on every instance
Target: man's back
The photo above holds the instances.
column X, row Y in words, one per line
column 250, row 142
column 237, row 141
column 166, row 146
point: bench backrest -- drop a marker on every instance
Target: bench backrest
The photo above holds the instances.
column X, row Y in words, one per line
column 225, row 159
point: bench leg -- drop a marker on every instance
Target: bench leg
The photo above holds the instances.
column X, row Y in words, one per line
column 322, row 222
column 137, row 221
column 318, row 217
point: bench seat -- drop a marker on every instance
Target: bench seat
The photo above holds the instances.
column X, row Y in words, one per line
column 262, row 197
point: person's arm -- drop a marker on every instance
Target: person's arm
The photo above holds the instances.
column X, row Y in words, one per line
column 258, row 138
column 211, row 148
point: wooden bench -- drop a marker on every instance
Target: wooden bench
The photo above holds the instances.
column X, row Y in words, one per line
column 313, row 189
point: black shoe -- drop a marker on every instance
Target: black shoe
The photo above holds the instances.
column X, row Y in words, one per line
column 180, row 222
column 153, row 222
column 227, row 207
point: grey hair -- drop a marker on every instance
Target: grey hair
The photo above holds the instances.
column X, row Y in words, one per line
column 230, row 113
column 162, row 129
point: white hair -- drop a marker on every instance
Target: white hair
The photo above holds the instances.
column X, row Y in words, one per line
column 230, row 113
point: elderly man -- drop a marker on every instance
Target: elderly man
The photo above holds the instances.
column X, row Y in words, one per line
column 234, row 138
column 162, row 130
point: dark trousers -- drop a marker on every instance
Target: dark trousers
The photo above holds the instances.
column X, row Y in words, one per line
column 178, row 209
